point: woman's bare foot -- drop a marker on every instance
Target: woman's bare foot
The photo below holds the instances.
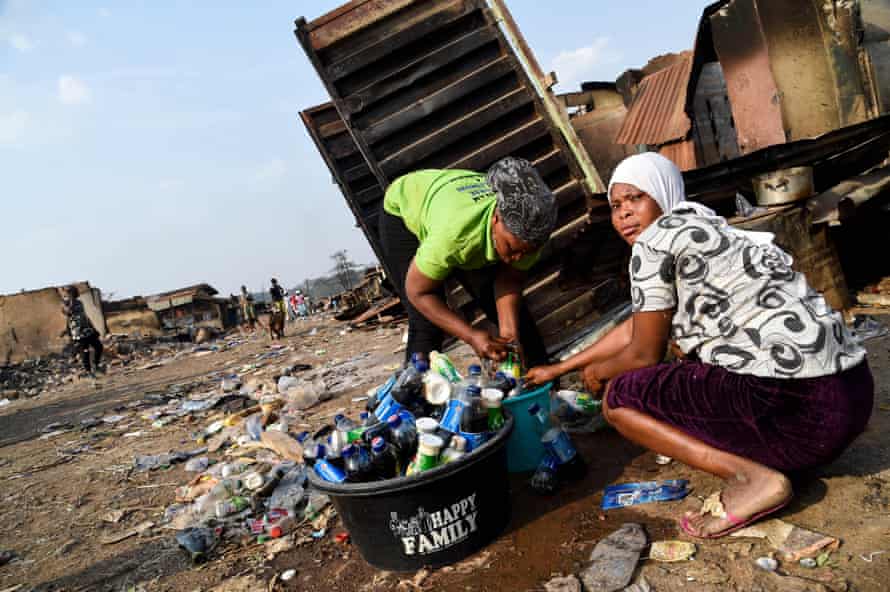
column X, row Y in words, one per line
column 746, row 495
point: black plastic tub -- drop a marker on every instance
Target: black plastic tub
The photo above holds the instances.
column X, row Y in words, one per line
column 429, row 519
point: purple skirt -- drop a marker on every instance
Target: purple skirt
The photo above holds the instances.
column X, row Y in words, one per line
column 786, row 424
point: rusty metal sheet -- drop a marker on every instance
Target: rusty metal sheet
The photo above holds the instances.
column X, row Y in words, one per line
column 657, row 114
column 435, row 84
column 682, row 153
column 741, row 45
column 875, row 16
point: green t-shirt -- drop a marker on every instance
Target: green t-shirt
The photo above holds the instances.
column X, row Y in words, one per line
column 449, row 211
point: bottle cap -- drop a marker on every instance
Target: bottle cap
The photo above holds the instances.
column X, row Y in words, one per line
column 421, row 366
column 363, row 415
column 302, row 437
column 459, row 443
column 339, row 417
column 474, row 369
column 430, row 444
column 394, row 421
column 427, row 425
column 534, row 409
column 492, row 398
column 378, row 444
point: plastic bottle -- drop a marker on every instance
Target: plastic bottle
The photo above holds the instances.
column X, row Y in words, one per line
column 441, row 364
column 410, row 382
column 545, row 480
column 329, row 472
column 373, row 428
column 313, row 453
column 558, row 443
column 381, row 392
column 384, row 459
column 511, row 366
column 474, row 375
column 502, row 382
column 457, row 449
column 230, row 383
column 356, row 464
column 230, row 506
column 491, row 400
column 428, row 452
column 436, row 388
column 403, row 435
column 473, row 418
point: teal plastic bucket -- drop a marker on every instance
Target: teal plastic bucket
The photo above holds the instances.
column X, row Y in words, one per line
column 524, row 448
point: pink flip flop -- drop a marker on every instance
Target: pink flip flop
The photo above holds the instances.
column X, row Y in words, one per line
column 735, row 522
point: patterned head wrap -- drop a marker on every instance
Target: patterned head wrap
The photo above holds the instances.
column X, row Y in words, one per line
column 526, row 205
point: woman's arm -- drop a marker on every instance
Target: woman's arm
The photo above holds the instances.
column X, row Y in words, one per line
column 647, row 346
column 423, row 294
column 613, row 342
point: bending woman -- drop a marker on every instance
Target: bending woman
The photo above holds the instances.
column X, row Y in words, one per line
column 773, row 381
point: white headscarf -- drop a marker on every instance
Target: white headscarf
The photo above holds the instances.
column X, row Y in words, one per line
column 662, row 180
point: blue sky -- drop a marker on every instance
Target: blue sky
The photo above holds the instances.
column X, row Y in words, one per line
column 149, row 145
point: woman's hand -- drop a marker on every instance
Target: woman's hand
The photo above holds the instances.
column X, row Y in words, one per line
column 487, row 346
column 592, row 382
column 542, row 374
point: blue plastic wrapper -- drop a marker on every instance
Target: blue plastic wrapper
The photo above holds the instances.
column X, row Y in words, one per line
column 631, row 494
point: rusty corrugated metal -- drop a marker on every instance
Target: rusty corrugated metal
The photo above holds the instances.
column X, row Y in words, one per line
column 682, row 153
column 658, row 112
column 434, row 84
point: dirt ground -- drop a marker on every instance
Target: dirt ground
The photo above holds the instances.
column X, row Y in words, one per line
column 56, row 487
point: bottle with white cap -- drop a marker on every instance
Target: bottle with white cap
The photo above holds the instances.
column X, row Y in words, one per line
column 428, row 452
column 491, row 400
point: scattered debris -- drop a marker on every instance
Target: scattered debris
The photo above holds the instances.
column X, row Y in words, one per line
column 792, row 542
column 670, row 551
column 631, row 494
column 563, row 584
column 614, row 559
column 766, row 563
column 288, row 575
column 139, row 529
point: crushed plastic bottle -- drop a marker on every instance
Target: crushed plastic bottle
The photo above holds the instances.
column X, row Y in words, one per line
column 253, row 425
column 199, row 464
column 559, row 444
column 199, row 542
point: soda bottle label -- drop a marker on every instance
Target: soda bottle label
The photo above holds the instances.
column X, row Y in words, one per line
column 474, row 440
column 426, row 462
column 495, row 419
column 451, row 418
column 559, row 444
column 549, row 463
column 388, row 406
column 329, row 472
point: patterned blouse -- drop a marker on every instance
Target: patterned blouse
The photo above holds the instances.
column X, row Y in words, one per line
column 738, row 304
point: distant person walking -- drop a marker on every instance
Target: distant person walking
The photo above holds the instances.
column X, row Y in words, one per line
column 301, row 305
column 277, row 311
column 248, row 310
column 83, row 334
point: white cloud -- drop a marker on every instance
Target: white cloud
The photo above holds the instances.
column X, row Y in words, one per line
column 73, row 90
column 77, row 39
column 272, row 171
column 104, row 12
column 13, row 126
column 20, row 41
column 579, row 65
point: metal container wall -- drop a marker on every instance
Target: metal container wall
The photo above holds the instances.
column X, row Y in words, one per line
column 434, row 84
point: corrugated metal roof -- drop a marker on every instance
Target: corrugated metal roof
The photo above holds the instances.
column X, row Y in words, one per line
column 658, row 112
